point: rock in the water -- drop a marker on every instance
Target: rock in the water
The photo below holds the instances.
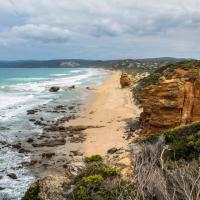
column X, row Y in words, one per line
column 125, row 81
column 54, row 89
column 30, row 140
column 12, row 175
column 32, row 112
column 71, row 87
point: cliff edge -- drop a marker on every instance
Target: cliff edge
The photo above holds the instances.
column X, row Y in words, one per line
column 173, row 100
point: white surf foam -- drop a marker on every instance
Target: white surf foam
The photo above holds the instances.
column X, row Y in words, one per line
column 27, row 79
column 7, row 100
column 59, row 75
column 39, row 87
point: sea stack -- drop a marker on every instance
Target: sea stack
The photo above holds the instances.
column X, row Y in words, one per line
column 125, row 81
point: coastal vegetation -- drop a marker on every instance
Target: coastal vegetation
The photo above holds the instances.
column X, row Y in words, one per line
column 99, row 181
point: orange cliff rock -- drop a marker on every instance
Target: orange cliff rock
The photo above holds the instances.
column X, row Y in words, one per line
column 173, row 101
column 125, row 80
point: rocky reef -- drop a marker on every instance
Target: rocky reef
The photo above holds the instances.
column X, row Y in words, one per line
column 173, row 100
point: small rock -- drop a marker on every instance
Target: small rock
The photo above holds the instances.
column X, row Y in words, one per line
column 22, row 150
column 31, row 112
column 71, row 87
column 32, row 120
column 71, row 107
column 33, row 162
column 75, row 153
column 48, row 155
column 30, row 140
column 12, row 175
column 112, row 150
column 17, row 146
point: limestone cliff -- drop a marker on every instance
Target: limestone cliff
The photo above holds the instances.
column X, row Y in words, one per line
column 174, row 100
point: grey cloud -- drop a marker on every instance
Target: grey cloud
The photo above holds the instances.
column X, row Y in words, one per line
column 102, row 17
column 41, row 32
column 146, row 24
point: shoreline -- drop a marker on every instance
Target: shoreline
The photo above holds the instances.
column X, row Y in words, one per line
column 53, row 152
column 94, row 127
column 48, row 146
column 59, row 157
column 110, row 110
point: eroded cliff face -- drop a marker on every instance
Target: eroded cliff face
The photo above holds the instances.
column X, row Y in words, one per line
column 173, row 101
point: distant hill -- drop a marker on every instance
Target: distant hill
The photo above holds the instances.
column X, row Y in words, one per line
column 53, row 63
column 74, row 63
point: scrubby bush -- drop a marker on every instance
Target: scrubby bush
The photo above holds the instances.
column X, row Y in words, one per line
column 93, row 181
column 93, row 158
column 154, row 181
column 100, row 182
column 32, row 193
column 168, row 165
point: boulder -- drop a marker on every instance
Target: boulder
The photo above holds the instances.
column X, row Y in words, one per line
column 12, row 175
column 125, row 80
column 54, row 89
column 48, row 188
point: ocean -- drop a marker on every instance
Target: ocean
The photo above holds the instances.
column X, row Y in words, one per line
column 23, row 89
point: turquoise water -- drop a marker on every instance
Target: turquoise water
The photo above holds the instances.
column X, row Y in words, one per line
column 28, row 87
column 23, row 89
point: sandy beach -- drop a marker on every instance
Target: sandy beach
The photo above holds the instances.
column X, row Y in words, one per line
column 110, row 109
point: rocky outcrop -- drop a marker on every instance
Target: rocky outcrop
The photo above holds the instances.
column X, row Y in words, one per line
column 125, row 80
column 48, row 188
column 173, row 101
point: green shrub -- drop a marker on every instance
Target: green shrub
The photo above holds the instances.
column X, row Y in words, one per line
column 92, row 181
column 97, row 181
column 109, row 171
column 183, row 141
column 183, row 147
column 32, row 193
column 93, row 158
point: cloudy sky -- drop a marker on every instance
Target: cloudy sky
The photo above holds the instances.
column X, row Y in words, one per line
column 99, row 29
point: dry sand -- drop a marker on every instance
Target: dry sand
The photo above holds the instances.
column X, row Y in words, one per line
column 111, row 108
